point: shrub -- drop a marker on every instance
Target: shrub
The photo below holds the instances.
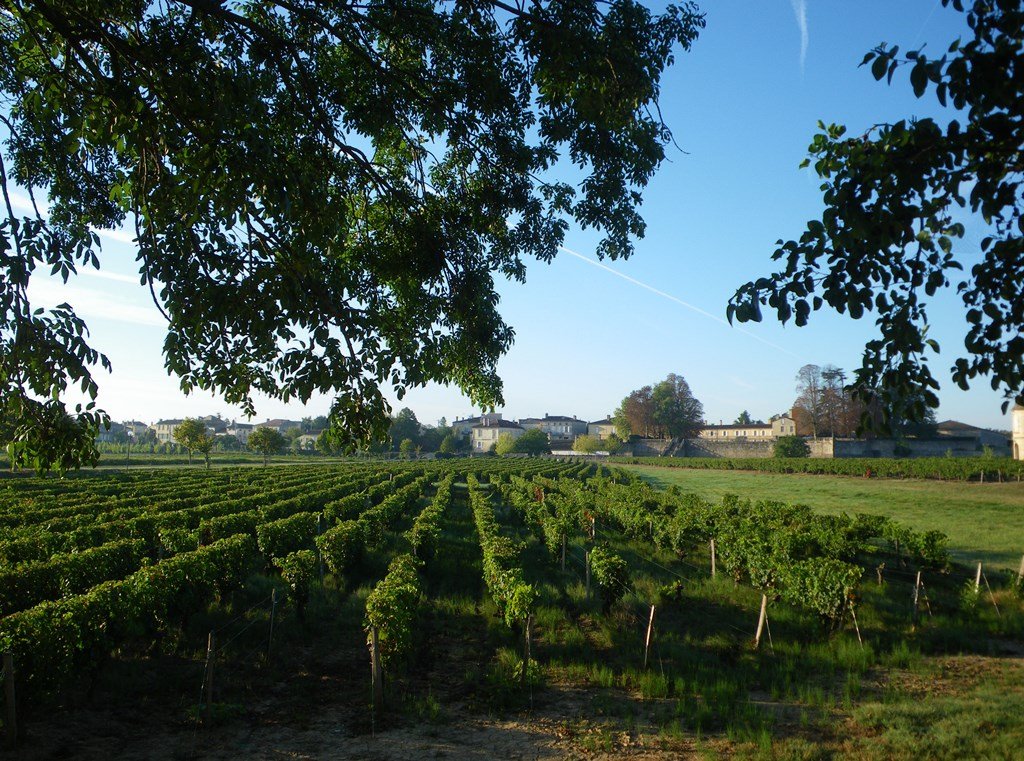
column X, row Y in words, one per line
column 791, row 446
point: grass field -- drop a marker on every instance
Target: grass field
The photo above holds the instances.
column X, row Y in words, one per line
column 983, row 521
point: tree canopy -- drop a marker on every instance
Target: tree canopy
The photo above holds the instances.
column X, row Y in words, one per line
column 321, row 193
column 667, row 409
column 266, row 441
column 532, row 441
column 191, row 434
column 791, row 446
column 894, row 196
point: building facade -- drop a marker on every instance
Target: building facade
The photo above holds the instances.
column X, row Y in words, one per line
column 601, row 429
column 464, row 427
column 781, row 425
column 561, row 430
column 165, row 429
column 1018, row 431
column 485, row 435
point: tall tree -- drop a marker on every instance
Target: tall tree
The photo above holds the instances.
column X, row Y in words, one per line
column 808, row 410
column 743, row 419
column 404, row 426
column 894, row 201
column 266, row 441
column 833, row 399
column 635, row 416
column 677, row 413
column 321, row 192
column 667, row 409
column 191, row 434
column 533, row 441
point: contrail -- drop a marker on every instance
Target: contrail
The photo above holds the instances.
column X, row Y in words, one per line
column 670, row 297
column 800, row 11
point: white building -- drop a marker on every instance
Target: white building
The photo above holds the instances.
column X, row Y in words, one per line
column 1018, row 431
column 485, row 435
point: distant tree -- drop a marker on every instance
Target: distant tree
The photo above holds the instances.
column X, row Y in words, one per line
column 203, row 447
column 587, row 444
column 677, row 413
column 743, row 419
column 612, row 444
column 808, row 410
column 450, row 444
column 430, row 438
column 266, row 441
column 667, row 409
column 635, row 416
column 407, row 448
column 191, row 434
column 404, row 426
column 791, row 446
column 228, row 443
column 505, row 444
column 533, row 442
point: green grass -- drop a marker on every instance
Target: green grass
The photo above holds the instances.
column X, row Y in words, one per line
column 983, row 521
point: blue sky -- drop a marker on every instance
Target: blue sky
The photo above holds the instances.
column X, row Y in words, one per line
column 743, row 106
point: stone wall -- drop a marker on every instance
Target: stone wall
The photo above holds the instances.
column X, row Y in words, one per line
column 651, row 447
column 959, row 446
column 726, row 448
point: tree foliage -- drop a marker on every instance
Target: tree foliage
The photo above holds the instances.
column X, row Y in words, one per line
column 404, row 426
column 266, row 441
column 587, row 444
column 743, row 419
column 791, row 446
column 893, row 198
column 532, row 441
column 321, row 193
column 192, row 435
column 667, row 409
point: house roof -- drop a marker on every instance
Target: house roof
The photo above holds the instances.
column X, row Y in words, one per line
column 171, row 421
column 278, row 422
column 606, row 421
column 551, row 419
column 956, row 425
column 736, row 427
column 477, row 418
column 498, row 424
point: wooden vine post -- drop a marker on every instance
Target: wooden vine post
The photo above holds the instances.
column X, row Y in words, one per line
column 713, row 559
column 563, row 552
column 10, row 709
column 376, row 674
column 647, row 639
column 319, row 553
column 526, row 648
column 273, row 610
column 917, row 595
column 208, row 709
column 760, row 620
column 977, row 579
column 586, row 561
column 856, row 626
